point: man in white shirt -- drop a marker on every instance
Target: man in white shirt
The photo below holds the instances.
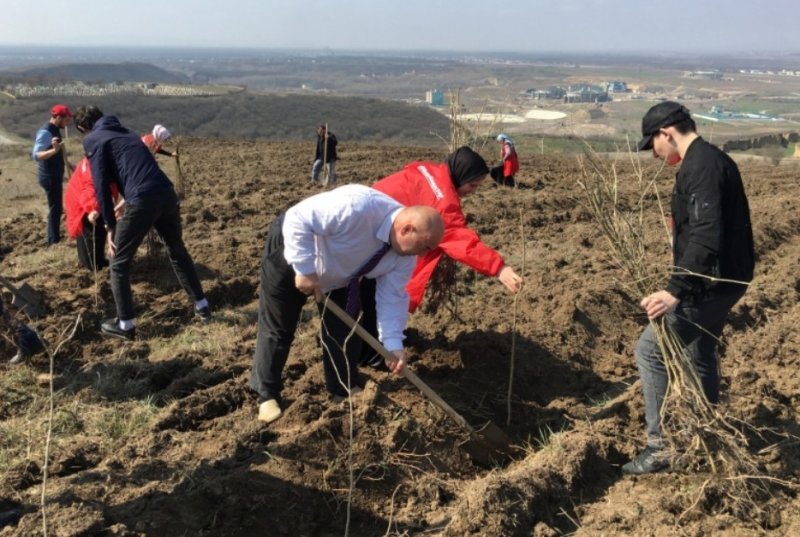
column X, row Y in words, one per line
column 326, row 242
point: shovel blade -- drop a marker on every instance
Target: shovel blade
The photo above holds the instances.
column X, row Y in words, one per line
column 488, row 446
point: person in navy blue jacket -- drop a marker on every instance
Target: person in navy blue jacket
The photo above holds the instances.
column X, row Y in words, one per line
column 118, row 156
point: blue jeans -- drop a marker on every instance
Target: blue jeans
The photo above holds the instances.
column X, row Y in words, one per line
column 701, row 344
column 54, row 187
column 162, row 212
column 317, row 168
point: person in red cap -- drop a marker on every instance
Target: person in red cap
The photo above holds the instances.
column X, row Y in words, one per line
column 49, row 154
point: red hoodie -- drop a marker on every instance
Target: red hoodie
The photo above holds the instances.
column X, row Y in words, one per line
column 79, row 197
column 510, row 160
column 427, row 183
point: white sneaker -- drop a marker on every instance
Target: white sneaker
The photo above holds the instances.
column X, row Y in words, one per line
column 269, row 411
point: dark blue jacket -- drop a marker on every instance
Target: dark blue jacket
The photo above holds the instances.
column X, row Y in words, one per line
column 118, row 155
column 52, row 168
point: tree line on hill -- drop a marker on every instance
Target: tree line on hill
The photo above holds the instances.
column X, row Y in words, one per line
column 248, row 115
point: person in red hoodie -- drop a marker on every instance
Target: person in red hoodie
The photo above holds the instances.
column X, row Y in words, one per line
column 154, row 139
column 504, row 173
column 441, row 186
column 84, row 223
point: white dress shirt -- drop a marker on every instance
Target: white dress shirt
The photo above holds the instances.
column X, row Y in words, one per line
column 333, row 234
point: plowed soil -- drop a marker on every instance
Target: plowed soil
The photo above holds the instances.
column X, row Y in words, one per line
column 200, row 464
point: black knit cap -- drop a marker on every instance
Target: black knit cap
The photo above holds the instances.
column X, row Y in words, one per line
column 466, row 166
column 658, row 117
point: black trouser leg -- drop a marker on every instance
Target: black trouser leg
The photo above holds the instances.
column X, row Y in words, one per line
column 54, row 189
column 129, row 234
column 279, row 307
column 341, row 348
column 168, row 227
column 91, row 245
column 369, row 320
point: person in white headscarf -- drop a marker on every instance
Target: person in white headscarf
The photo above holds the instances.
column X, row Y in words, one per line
column 154, row 139
column 504, row 173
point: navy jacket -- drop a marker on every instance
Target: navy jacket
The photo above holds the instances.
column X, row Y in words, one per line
column 712, row 230
column 118, row 155
column 52, row 168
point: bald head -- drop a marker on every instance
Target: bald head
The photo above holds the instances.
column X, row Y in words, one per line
column 416, row 230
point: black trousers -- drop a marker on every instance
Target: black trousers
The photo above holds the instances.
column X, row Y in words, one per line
column 162, row 212
column 279, row 307
column 91, row 245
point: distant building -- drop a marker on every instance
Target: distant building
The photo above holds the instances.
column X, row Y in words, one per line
column 434, row 97
column 714, row 74
column 553, row 92
column 617, row 86
column 586, row 94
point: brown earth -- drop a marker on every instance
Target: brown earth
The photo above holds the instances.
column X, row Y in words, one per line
column 199, row 464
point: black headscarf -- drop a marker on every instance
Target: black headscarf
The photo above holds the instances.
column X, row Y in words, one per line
column 466, row 166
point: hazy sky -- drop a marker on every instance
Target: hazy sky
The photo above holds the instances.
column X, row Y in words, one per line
column 484, row 25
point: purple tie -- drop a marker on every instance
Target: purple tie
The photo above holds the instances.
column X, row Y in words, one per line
column 353, row 288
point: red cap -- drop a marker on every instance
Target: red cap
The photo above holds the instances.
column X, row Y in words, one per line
column 60, row 110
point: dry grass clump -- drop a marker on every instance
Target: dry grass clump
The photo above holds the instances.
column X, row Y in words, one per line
column 702, row 436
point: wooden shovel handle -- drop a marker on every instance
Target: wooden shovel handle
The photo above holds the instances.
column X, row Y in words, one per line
column 380, row 349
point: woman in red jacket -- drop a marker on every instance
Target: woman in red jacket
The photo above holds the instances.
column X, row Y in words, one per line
column 83, row 217
column 441, row 186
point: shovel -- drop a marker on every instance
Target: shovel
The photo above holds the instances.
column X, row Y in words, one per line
column 487, row 446
column 26, row 298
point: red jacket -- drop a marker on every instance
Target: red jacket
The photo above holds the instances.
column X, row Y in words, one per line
column 427, row 183
column 79, row 197
column 510, row 160
column 152, row 144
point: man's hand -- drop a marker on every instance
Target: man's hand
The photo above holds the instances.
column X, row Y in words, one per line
column 306, row 283
column 57, row 143
column 658, row 304
column 112, row 248
column 510, row 279
column 119, row 208
column 93, row 216
column 396, row 364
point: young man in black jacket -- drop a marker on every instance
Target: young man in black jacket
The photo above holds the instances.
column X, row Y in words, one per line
column 117, row 155
column 713, row 263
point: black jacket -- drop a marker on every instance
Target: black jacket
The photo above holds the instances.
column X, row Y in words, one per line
column 331, row 151
column 712, row 231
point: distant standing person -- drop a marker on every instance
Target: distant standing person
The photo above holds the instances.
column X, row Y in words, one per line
column 504, row 173
column 117, row 155
column 154, row 140
column 712, row 250
column 48, row 152
column 325, row 155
